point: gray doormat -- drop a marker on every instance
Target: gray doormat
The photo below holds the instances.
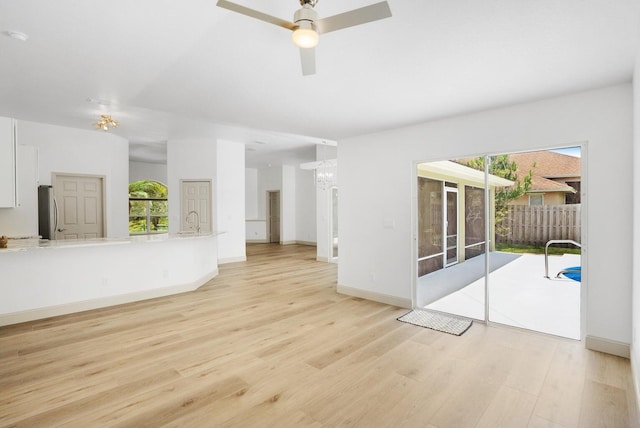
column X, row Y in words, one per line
column 436, row 321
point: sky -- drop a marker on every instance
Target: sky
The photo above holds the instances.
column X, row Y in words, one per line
column 571, row 151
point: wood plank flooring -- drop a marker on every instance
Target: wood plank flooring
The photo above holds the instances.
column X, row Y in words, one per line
column 269, row 342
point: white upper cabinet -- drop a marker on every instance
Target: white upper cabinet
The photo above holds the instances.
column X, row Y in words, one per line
column 8, row 156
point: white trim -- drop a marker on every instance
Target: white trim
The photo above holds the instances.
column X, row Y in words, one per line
column 608, row 346
column 584, row 236
column 256, row 241
column 322, row 259
column 86, row 305
column 635, row 366
column 376, row 297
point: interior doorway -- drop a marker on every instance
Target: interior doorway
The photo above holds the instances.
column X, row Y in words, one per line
column 273, row 215
column 80, row 200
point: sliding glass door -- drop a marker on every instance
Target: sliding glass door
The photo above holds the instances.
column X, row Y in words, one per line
column 483, row 227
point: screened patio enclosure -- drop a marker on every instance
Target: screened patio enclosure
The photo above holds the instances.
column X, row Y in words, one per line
column 451, row 214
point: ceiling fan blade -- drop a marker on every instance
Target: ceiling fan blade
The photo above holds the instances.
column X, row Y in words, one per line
column 363, row 15
column 255, row 14
column 308, row 59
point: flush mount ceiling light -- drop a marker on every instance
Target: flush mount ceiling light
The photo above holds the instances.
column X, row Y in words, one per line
column 105, row 122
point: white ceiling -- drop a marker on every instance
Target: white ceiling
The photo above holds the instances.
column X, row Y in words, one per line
column 172, row 69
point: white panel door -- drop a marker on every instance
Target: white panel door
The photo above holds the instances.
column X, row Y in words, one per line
column 80, row 206
column 196, row 206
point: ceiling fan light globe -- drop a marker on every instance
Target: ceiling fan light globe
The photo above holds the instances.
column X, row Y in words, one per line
column 305, row 38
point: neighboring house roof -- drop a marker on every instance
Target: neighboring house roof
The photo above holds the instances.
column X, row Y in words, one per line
column 541, row 184
column 549, row 166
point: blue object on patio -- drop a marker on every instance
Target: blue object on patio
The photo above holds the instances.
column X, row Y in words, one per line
column 574, row 273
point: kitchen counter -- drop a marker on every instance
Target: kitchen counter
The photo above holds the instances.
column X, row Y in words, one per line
column 34, row 243
column 43, row 278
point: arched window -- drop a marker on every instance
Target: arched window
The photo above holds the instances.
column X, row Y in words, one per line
column 148, row 208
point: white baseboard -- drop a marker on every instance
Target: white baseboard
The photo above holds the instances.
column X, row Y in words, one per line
column 635, row 375
column 309, row 243
column 86, row 305
column 376, row 297
column 256, row 241
column 288, row 242
column 322, row 259
column 232, row 260
column 608, row 346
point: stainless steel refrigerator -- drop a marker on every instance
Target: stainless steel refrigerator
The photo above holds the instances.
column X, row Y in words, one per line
column 47, row 213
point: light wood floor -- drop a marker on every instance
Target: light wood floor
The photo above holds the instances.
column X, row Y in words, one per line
column 270, row 343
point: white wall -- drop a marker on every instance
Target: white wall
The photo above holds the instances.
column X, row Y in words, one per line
column 305, row 207
column 288, row 205
column 255, row 226
column 230, row 188
column 379, row 261
column 635, row 349
column 189, row 159
column 91, row 152
column 251, row 193
column 323, row 209
column 323, row 205
column 222, row 162
column 297, row 203
column 256, row 231
column 147, row 171
column 325, row 152
column 269, row 179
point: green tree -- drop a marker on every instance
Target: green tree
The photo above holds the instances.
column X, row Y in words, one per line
column 147, row 189
column 501, row 166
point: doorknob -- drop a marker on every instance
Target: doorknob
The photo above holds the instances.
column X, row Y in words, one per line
column 61, row 230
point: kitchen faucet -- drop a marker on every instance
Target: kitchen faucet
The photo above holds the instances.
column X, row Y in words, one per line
column 197, row 220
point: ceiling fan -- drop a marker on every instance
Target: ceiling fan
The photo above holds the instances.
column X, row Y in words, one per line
column 306, row 26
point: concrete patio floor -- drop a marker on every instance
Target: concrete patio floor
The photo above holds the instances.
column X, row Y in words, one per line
column 519, row 293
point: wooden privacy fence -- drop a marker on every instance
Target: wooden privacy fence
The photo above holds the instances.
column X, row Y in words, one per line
column 535, row 225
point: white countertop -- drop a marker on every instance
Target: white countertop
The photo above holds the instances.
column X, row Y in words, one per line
column 34, row 243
